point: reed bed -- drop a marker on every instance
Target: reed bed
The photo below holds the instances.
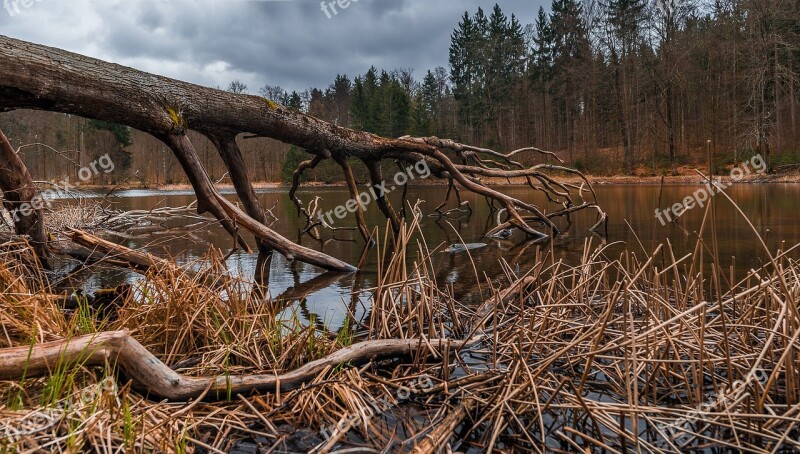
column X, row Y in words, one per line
column 644, row 352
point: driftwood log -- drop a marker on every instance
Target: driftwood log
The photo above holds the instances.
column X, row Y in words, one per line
column 99, row 249
column 151, row 375
column 93, row 249
column 38, row 77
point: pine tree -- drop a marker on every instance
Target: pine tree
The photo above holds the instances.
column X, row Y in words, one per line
column 571, row 52
column 487, row 59
column 421, row 121
column 359, row 106
column 541, row 59
column 430, row 94
column 380, row 105
column 372, row 121
column 341, row 91
column 294, row 101
column 392, row 106
column 463, row 67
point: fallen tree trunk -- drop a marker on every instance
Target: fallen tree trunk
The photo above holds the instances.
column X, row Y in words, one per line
column 116, row 254
column 39, row 77
column 149, row 374
column 95, row 249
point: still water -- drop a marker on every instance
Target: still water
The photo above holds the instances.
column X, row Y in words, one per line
column 772, row 209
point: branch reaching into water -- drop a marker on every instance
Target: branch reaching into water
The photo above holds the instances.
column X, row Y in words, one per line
column 39, row 77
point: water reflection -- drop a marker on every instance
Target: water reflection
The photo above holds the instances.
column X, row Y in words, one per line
column 325, row 297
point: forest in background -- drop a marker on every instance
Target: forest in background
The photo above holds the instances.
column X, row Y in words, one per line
column 613, row 86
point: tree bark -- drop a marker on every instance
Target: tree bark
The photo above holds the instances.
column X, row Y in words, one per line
column 22, row 198
column 38, row 77
column 207, row 195
column 232, row 157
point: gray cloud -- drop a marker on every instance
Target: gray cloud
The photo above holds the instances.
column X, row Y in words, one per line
column 291, row 43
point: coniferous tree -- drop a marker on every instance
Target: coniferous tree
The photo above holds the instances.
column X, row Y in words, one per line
column 294, row 101
column 341, row 91
column 431, row 95
column 421, row 121
column 487, row 59
column 610, row 77
column 541, row 58
column 359, row 106
column 464, row 68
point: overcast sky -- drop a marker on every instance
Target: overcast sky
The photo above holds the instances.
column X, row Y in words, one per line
column 291, row 43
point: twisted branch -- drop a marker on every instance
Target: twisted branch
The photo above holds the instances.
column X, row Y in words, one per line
column 156, row 378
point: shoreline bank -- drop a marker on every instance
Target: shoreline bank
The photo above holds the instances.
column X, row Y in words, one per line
column 597, row 180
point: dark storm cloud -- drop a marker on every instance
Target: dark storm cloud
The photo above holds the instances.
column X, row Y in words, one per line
column 289, row 43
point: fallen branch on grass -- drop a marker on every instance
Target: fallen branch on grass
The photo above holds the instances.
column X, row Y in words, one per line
column 153, row 376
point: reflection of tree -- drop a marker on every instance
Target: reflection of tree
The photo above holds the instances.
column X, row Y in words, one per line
column 300, row 291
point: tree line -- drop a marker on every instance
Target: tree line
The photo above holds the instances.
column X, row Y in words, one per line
column 612, row 86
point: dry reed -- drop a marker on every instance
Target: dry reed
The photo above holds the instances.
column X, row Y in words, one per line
column 611, row 354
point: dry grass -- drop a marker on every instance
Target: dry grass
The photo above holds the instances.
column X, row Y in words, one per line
column 642, row 352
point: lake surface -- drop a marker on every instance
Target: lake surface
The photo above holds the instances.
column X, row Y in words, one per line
column 772, row 209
